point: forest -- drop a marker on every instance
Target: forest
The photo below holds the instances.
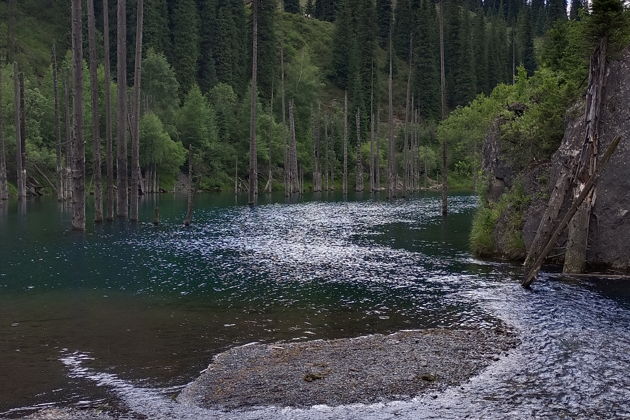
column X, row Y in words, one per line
column 321, row 115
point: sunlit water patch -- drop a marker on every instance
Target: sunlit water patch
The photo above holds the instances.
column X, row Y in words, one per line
column 125, row 315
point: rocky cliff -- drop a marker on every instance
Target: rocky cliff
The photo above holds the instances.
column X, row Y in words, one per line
column 609, row 232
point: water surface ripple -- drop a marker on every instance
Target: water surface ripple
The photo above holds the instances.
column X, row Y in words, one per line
column 123, row 316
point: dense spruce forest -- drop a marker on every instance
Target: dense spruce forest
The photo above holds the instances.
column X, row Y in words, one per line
column 347, row 94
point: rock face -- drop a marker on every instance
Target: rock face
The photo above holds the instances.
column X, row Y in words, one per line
column 610, row 218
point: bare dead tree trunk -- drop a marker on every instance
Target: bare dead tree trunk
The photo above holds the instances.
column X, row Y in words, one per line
column 345, row 144
column 21, row 188
column 236, row 176
column 372, row 136
column 96, row 135
column 253, row 154
column 391, row 173
column 191, row 189
column 23, row 129
column 109, row 210
column 326, row 154
column 317, row 175
column 359, row 164
column 121, row 123
column 294, row 181
column 135, row 139
column 407, row 118
column 4, row 183
column 377, row 163
column 444, row 114
column 284, row 123
column 78, row 167
column 69, row 143
column 57, row 126
column 577, row 241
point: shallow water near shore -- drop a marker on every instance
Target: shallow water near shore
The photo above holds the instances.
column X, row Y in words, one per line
column 123, row 316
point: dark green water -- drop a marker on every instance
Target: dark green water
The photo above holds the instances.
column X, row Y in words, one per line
column 149, row 306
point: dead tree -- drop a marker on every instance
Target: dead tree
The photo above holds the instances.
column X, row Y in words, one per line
column 23, row 129
column 359, row 164
column 372, row 134
column 191, row 189
column 294, row 181
column 78, row 166
column 109, row 208
column 317, row 174
column 253, row 153
column 284, row 124
column 407, row 118
column 135, row 138
column 69, row 143
column 345, row 144
column 391, row 156
column 444, row 114
column 4, row 183
column 577, row 241
column 57, row 127
column 20, row 179
column 121, row 117
column 532, row 271
column 96, row 135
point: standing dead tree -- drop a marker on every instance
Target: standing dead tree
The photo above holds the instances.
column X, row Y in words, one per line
column 391, row 155
column 20, row 171
column 57, row 126
column 358, row 186
column 109, row 209
column 253, row 153
column 96, row 135
column 121, row 117
column 135, row 138
column 345, row 145
column 372, row 135
column 78, row 161
column 317, row 171
column 408, row 107
column 444, row 113
column 191, row 189
column 4, row 183
column 294, row 181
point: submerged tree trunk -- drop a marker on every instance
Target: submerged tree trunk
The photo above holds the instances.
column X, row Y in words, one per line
column 391, row 155
column 284, row 124
column 359, row 165
column 23, row 130
column 121, row 118
column 444, row 113
column 4, row 183
column 577, row 241
column 78, row 167
column 294, row 182
column 253, row 153
column 345, row 144
column 21, row 188
column 191, row 189
column 135, row 139
column 317, row 175
column 96, row 135
column 372, row 156
column 57, row 127
column 109, row 208
column 407, row 118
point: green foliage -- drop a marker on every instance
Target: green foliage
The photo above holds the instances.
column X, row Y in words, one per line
column 185, row 52
column 159, row 150
column 160, row 87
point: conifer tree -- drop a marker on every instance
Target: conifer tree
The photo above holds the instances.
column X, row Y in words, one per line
column 526, row 41
column 156, row 32
column 426, row 73
column 231, row 44
column 556, row 10
column 384, row 20
column 310, row 8
column 185, row 53
column 403, row 26
column 267, row 47
column 292, row 6
column 463, row 83
column 480, row 47
column 326, row 10
column 206, row 67
column 576, row 7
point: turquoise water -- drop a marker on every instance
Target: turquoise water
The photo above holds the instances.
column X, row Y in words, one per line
column 151, row 305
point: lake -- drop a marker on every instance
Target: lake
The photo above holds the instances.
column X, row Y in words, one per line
column 126, row 313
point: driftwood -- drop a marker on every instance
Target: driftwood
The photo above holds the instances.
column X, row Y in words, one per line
column 550, row 243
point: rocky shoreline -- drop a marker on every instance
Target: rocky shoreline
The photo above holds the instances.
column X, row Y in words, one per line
column 369, row 369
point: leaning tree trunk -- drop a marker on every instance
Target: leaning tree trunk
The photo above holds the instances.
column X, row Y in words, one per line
column 577, row 241
column 121, row 117
column 253, row 154
column 21, row 188
column 4, row 183
column 57, row 127
column 78, row 162
column 345, row 144
column 135, row 139
column 391, row 156
column 96, row 135
column 444, row 112
column 109, row 208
